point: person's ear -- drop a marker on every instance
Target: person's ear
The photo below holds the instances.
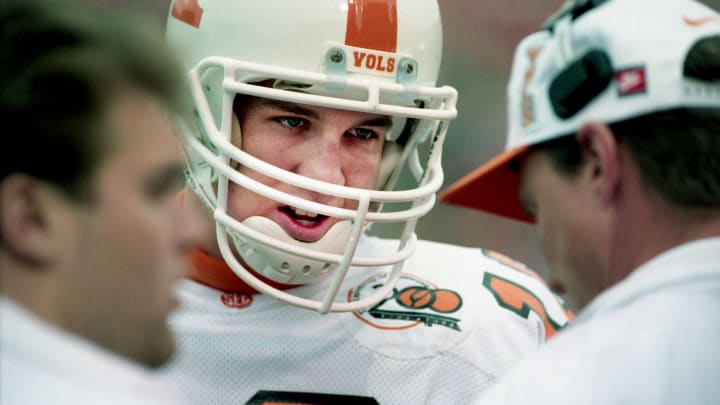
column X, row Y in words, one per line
column 24, row 218
column 601, row 157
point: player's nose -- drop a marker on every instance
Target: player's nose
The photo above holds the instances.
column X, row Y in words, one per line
column 322, row 160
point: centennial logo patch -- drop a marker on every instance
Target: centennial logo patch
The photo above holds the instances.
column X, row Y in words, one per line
column 413, row 302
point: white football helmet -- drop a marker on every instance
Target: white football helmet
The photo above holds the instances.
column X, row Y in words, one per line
column 374, row 56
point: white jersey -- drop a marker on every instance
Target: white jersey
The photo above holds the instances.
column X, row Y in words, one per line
column 456, row 320
column 42, row 365
column 654, row 338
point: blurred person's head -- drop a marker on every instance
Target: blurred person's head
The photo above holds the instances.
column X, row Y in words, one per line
column 92, row 235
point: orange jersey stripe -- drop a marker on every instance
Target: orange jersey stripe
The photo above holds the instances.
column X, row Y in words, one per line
column 215, row 273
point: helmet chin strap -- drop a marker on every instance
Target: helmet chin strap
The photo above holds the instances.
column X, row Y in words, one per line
column 289, row 268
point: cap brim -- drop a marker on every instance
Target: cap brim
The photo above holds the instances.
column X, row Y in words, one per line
column 493, row 187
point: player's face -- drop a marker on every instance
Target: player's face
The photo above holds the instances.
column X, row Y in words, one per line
column 128, row 245
column 335, row 146
column 566, row 227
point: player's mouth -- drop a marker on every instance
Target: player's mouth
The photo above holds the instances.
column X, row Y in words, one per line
column 303, row 217
column 304, row 225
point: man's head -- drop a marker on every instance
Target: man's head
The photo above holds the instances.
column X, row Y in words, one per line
column 604, row 112
column 310, row 114
column 92, row 236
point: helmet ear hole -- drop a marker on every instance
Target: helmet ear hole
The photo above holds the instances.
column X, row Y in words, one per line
column 236, row 135
column 388, row 163
column 211, row 82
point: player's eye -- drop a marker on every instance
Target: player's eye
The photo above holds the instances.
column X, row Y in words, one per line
column 166, row 182
column 363, row 133
column 292, row 122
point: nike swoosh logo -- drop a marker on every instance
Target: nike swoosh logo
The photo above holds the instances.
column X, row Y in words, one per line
column 696, row 22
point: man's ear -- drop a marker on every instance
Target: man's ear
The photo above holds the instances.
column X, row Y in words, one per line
column 25, row 207
column 601, row 154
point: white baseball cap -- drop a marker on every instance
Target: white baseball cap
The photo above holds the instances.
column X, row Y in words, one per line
column 597, row 60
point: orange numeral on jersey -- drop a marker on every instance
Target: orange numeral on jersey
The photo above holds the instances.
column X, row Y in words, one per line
column 520, row 300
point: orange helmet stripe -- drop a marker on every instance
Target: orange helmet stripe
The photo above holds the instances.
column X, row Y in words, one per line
column 372, row 24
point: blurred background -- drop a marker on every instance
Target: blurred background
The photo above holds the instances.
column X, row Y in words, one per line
column 479, row 40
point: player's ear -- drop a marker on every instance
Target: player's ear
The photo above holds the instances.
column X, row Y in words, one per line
column 601, row 157
column 25, row 210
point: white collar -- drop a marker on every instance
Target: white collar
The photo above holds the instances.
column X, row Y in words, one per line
column 695, row 262
column 44, row 345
